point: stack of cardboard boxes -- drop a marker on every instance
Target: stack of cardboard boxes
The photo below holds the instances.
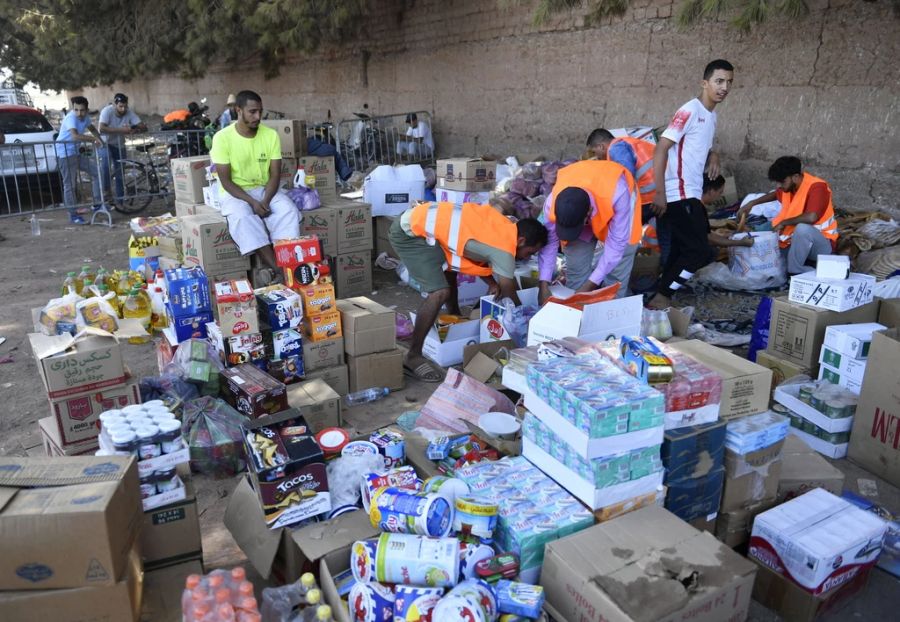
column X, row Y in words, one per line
column 344, row 229
column 464, row 180
column 370, row 342
column 207, row 244
column 189, row 305
column 324, row 336
column 189, row 179
column 694, row 460
column 845, row 353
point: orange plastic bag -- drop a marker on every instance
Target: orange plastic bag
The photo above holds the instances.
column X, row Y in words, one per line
column 578, row 301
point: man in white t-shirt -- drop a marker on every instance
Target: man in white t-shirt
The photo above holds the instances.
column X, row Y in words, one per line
column 683, row 154
column 419, row 145
column 117, row 120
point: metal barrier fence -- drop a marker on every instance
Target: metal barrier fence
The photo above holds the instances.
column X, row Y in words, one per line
column 384, row 139
column 127, row 174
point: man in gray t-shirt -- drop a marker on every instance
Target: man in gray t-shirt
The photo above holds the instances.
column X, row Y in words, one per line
column 117, row 121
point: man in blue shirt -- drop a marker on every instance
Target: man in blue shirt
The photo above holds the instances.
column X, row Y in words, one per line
column 71, row 157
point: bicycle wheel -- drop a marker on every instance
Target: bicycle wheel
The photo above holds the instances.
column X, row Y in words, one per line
column 140, row 185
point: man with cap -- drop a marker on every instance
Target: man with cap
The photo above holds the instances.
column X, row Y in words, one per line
column 229, row 115
column 117, row 120
column 591, row 200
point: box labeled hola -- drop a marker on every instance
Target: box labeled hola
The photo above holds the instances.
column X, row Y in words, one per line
column 391, row 190
column 343, row 227
column 832, row 294
column 381, row 369
column 236, row 307
column 319, row 176
column 77, row 415
column 253, row 392
column 70, row 366
column 291, row 133
column 596, row 322
column 67, row 522
column 321, row 354
column 352, row 274
column 279, row 307
column 368, row 326
column 208, row 244
column 189, row 178
column 468, row 175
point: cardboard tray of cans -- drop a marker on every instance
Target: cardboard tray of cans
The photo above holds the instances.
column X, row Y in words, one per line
column 832, row 414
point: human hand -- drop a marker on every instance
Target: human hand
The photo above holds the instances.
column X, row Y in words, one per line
column 659, row 203
column 543, row 292
column 587, row 287
column 712, row 165
column 260, row 209
column 748, row 241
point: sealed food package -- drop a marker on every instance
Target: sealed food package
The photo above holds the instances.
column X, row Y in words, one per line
column 97, row 312
column 213, row 433
column 59, row 316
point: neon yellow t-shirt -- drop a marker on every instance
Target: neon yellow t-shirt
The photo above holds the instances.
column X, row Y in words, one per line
column 249, row 158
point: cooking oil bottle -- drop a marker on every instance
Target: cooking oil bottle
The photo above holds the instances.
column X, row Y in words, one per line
column 69, row 286
column 85, row 273
column 136, row 307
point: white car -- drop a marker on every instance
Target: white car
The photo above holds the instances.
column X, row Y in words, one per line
column 29, row 149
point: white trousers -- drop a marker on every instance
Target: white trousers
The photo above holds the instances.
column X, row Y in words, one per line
column 251, row 232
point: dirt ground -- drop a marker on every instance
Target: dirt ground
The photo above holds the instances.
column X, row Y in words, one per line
column 33, row 268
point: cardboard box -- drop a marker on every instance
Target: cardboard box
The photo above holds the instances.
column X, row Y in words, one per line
column 67, row 522
column 382, row 236
column 794, row 604
column 468, row 175
column 850, row 341
column 171, row 534
column 336, row 377
column 189, row 178
column 188, row 291
column 236, row 308
column 381, row 369
column 796, row 332
column 119, row 601
column 788, row 396
column 745, row 385
column 693, row 451
column 279, row 308
column 586, row 576
column 292, row 134
column 342, row 227
column 319, row 404
column 802, row 469
column 368, row 326
column 491, row 314
column 696, row 497
column 875, row 440
column 733, row 527
column 751, row 478
column 458, row 197
column 163, row 589
column 292, row 484
column 449, row 350
column 189, row 208
column 832, row 450
column 391, row 190
column 297, row 251
column 597, row 322
column 352, row 274
column 832, row 294
column 849, row 376
column 280, row 344
column 187, row 327
column 321, row 354
column 208, row 244
column 171, row 246
column 70, row 366
column 317, row 298
column 889, row 312
column 252, row 392
column 53, row 445
column 323, row 326
column 286, row 553
column 657, row 498
column 320, row 175
column 288, row 172
column 832, row 267
column 238, row 349
column 645, row 271
column 77, row 416
column 782, row 369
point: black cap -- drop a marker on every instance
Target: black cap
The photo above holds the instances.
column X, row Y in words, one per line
column 120, row 98
column 571, row 209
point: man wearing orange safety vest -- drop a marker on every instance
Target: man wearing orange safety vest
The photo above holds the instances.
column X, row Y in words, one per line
column 436, row 240
column 805, row 225
column 591, row 200
column 634, row 154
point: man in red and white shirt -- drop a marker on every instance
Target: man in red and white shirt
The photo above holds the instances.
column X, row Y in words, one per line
column 682, row 156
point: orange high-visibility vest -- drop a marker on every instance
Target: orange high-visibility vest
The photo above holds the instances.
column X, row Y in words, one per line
column 452, row 226
column 599, row 178
column 792, row 205
column 643, row 174
column 650, row 239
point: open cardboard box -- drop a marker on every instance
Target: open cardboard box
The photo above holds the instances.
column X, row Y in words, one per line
column 449, row 351
column 596, row 322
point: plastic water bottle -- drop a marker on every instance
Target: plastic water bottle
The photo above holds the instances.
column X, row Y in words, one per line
column 35, row 225
column 366, row 395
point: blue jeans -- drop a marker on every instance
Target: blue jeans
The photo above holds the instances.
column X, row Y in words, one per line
column 69, row 168
column 109, row 163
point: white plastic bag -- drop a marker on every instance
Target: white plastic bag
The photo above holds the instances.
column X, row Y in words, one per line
column 749, row 268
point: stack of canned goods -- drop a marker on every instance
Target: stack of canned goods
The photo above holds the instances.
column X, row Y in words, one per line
column 831, row 400
column 145, row 431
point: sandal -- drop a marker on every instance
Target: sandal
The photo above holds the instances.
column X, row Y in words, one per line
column 425, row 371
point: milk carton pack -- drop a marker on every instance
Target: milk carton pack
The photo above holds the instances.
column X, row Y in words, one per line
column 755, row 432
column 818, row 541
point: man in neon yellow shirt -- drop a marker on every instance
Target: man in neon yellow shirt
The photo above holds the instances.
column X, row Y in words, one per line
column 247, row 156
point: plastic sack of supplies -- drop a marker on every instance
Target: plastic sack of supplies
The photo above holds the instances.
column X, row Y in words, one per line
column 750, row 268
column 169, row 388
column 212, row 430
column 196, row 361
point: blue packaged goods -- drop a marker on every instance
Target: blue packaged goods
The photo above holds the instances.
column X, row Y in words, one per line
column 279, row 308
column 401, row 477
column 371, row 602
column 645, row 361
column 343, row 581
column 438, row 448
column 756, row 432
column 519, row 598
column 697, row 497
column 472, row 601
column 390, row 445
column 415, row 604
column 399, row 510
column 188, row 291
column 189, row 326
column 286, row 342
column 470, row 554
column 693, row 450
column 288, row 369
column 417, row 560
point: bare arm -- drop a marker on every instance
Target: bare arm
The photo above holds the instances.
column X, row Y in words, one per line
column 660, row 161
column 106, row 129
column 712, row 169
column 720, row 240
column 806, row 218
column 508, row 289
column 272, row 184
column 224, row 172
column 91, row 137
column 745, row 209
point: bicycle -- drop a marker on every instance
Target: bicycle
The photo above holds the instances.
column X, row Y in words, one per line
column 142, row 181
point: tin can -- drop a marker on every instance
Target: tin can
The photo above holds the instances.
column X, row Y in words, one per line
column 390, row 445
column 403, row 477
column 362, row 560
column 817, row 401
column 809, row 427
column 836, row 409
column 332, row 441
column 415, row 604
column 469, row 556
column 448, row 487
column 417, row 560
column 471, row 600
column 371, row 602
column 805, row 393
column 475, row 516
column 399, row 510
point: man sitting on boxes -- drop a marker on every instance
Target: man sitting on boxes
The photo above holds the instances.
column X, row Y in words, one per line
column 591, row 200
column 436, row 240
column 247, row 156
column 805, row 225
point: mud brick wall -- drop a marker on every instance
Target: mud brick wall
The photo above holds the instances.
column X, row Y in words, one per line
column 826, row 87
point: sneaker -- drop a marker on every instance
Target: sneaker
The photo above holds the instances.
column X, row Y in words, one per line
column 103, row 207
column 75, row 219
